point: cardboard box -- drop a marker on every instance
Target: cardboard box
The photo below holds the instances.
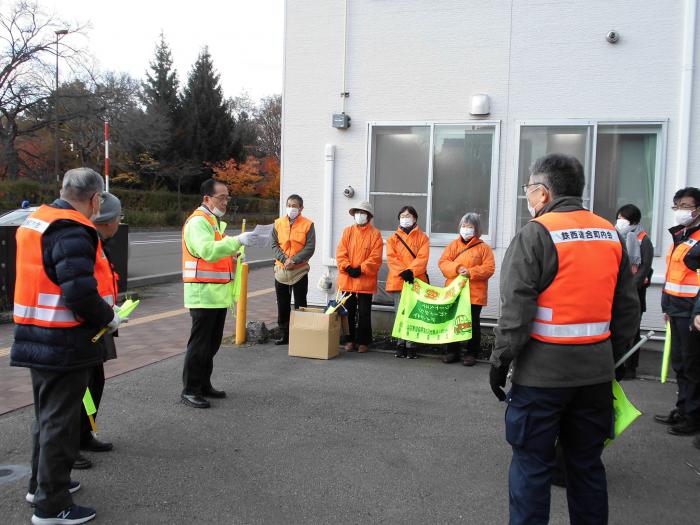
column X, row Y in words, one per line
column 314, row 334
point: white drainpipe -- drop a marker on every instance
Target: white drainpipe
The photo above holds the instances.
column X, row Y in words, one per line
column 328, row 191
column 686, row 101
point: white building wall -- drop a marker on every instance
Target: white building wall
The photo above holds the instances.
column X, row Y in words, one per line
column 416, row 60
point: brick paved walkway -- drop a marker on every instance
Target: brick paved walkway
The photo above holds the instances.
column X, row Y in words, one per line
column 159, row 330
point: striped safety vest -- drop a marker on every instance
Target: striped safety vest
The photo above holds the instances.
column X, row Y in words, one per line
column 197, row 270
column 681, row 281
column 38, row 300
column 576, row 308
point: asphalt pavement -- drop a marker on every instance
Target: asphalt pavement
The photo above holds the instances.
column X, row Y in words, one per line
column 358, row 439
column 156, row 252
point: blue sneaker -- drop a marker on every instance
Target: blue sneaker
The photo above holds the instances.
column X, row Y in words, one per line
column 70, row 516
column 74, row 487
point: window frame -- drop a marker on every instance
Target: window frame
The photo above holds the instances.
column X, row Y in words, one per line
column 661, row 148
column 440, row 239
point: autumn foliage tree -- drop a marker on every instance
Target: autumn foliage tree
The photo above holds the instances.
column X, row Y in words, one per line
column 251, row 178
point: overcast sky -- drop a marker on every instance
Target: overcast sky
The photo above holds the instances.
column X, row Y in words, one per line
column 244, row 37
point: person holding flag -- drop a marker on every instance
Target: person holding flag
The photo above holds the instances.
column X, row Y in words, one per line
column 569, row 311
column 677, row 301
column 471, row 257
column 64, row 295
column 407, row 253
column 208, row 269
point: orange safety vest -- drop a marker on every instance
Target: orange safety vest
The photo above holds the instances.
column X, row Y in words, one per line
column 576, row 308
column 681, row 281
column 197, row 270
column 38, row 300
column 292, row 237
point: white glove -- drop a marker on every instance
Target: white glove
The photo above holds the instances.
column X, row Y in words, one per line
column 244, row 238
column 113, row 325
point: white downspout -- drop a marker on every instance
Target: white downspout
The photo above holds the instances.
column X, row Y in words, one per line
column 329, row 182
column 684, row 120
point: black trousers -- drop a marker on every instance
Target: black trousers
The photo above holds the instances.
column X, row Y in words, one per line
column 96, row 384
column 205, row 340
column 359, row 307
column 474, row 343
column 58, row 400
column 633, row 361
column 284, row 298
column 685, row 353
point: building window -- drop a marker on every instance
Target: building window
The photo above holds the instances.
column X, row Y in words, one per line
column 442, row 170
column 620, row 161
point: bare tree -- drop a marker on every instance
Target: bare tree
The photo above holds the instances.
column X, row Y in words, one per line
column 27, row 67
column 269, row 120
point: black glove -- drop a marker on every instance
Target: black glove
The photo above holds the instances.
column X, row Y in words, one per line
column 620, row 372
column 497, row 379
column 407, row 275
column 353, row 272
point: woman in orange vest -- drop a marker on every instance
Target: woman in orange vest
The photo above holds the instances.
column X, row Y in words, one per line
column 641, row 253
column 293, row 244
column 471, row 257
column 677, row 301
column 407, row 253
column 359, row 256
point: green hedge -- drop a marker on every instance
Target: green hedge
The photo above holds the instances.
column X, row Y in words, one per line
column 144, row 208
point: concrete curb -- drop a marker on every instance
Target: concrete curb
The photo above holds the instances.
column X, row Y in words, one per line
column 163, row 278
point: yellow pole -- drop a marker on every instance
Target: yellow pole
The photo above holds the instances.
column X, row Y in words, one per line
column 242, row 307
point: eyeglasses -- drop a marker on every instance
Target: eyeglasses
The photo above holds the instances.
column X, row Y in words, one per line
column 526, row 186
column 684, row 207
column 221, row 197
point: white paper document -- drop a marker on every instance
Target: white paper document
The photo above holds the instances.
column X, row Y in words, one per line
column 261, row 236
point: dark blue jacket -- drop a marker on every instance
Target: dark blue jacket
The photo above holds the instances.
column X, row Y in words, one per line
column 68, row 252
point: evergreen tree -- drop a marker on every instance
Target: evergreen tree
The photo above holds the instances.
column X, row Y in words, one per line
column 161, row 85
column 208, row 128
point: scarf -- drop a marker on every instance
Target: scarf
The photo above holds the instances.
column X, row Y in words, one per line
column 634, row 250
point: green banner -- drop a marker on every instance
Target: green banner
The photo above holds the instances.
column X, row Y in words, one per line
column 433, row 315
column 88, row 403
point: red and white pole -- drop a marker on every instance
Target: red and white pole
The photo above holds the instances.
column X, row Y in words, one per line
column 106, row 155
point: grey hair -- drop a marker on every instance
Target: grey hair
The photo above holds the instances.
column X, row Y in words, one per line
column 475, row 220
column 80, row 184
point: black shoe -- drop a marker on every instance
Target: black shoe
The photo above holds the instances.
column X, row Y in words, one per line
column 673, row 418
column 214, row 393
column 94, row 445
column 400, row 352
column 194, row 401
column 82, row 463
column 282, row 341
column 71, row 516
column 412, row 353
column 686, row 428
column 450, row 357
column 630, row 373
column 72, row 488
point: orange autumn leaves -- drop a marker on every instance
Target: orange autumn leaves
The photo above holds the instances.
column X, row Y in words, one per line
column 252, row 178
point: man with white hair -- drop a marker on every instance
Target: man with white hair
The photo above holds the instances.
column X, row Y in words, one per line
column 63, row 297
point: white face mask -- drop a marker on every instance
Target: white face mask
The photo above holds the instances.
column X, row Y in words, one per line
column 361, row 218
column 466, row 233
column 683, row 217
column 531, row 209
column 623, row 226
column 216, row 211
column 406, row 222
column 292, row 213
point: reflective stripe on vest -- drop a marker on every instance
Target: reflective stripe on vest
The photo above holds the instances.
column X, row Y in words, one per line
column 197, row 270
column 38, row 300
column 589, row 253
column 681, row 281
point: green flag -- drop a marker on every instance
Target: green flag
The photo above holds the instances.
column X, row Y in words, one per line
column 89, row 403
column 429, row 314
column 666, row 359
column 239, row 271
column 625, row 412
